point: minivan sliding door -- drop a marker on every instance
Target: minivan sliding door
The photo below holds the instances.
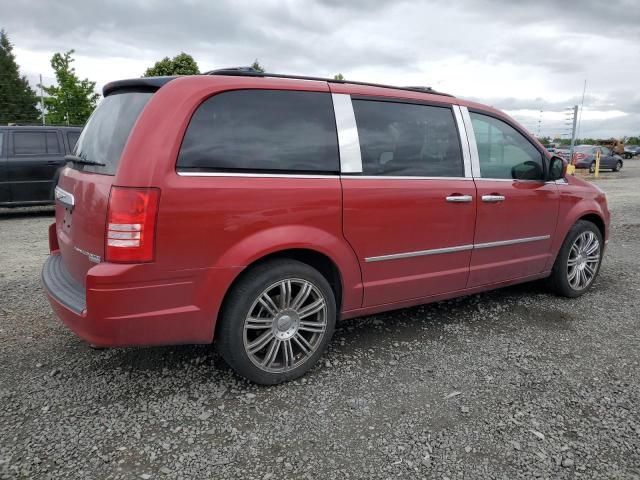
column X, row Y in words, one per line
column 409, row 211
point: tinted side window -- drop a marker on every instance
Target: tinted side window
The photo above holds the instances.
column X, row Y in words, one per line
column 401, row 139
column 504, row 152
column 29, row 143
column 53, row 145
column 72, row 138
column 262, row 130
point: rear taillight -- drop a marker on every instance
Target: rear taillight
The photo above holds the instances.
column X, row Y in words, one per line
column 577, row 156
column 131, row 224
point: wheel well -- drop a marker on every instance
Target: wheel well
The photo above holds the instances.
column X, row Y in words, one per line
column 317, row 260
column 596, row 220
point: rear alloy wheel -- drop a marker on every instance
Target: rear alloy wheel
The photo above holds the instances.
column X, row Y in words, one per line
column 592, row 167
column 285, row 325
column 277, row 322
column 618, row 166
column 578, row 261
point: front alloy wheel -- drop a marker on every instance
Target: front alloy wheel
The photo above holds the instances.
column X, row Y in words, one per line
column 578, row 261
column 583, row 261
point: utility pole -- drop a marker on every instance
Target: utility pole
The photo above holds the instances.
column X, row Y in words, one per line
column 584, row 89
column 41, row 100
column 573, row 132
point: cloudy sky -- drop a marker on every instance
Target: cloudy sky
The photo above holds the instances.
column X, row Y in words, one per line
column 520, row 56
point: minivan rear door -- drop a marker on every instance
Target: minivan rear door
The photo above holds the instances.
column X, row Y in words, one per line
column 84, row 189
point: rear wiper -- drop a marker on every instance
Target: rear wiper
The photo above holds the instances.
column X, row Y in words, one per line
column 83, row 161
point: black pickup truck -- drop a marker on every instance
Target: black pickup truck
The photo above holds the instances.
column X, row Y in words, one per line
column 30, row 160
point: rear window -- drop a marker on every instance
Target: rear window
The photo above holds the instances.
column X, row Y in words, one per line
column 72, row 137
column 263, row 131
column 107, row 130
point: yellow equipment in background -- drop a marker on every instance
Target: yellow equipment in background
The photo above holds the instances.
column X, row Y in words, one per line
column 597, row 170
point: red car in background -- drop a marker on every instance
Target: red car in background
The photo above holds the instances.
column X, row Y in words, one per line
column 256, row 210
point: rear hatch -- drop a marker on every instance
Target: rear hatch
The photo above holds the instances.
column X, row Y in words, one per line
column 81, row 227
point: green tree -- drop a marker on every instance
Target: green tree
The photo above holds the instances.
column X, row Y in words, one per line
column 72, row 100
column 182, row 64
column 256, row 66
column 17, row 99
column 338, row 76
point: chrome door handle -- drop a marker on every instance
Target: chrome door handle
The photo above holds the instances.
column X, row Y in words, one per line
column 459, row 198
column 493, row 198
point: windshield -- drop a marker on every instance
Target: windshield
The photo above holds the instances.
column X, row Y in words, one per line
column 107, row 130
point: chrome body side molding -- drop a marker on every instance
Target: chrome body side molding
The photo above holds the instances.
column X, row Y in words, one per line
column 503, row 243
column 459, row 248
column 421, row 253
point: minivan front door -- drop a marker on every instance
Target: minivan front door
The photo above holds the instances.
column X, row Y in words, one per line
column 409, row 215
column 517, row 209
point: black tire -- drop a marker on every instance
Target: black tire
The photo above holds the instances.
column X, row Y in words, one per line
column 592, row 167
column 618, row 166
column 558, row 281
column 230, row 333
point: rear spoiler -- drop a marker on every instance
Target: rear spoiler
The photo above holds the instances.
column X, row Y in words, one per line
column 144, row 84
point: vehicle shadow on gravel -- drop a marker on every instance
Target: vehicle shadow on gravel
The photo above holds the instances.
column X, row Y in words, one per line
column 500, row 311
column 31, row 212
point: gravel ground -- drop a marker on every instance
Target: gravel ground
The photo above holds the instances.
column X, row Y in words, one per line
column 508, row 384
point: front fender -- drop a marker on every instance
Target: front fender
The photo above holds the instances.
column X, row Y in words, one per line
column 570, row 212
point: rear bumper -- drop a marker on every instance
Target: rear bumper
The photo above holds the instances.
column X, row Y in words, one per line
column 119, row 308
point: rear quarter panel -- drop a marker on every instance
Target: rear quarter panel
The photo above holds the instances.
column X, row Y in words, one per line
column 224, row 222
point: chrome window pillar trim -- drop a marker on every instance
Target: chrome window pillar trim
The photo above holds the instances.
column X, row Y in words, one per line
column 471, row 138
column 464, row 141
column 184, row 173
column 348, row 140
column 459, row 248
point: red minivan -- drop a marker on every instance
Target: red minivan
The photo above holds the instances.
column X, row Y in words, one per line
column 256, row 210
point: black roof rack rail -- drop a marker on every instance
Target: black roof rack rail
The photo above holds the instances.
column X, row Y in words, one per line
column 251, row 72
column 34, row 124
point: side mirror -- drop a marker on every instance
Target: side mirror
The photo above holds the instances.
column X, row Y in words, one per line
column 557, row 168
